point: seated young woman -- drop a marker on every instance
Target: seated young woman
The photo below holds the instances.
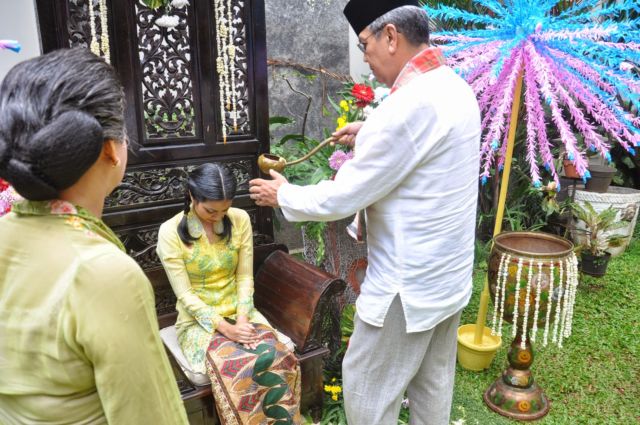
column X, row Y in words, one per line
column 207, row 252
column 79, row 341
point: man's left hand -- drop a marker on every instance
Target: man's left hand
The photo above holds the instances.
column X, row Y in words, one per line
column 265, row 192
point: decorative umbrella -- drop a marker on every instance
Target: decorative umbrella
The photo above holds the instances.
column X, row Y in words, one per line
column 580, row 68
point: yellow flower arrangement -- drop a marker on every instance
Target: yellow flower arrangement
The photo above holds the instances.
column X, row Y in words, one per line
column 334, row 390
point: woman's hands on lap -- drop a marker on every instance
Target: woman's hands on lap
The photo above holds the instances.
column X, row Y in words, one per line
column 242, row 332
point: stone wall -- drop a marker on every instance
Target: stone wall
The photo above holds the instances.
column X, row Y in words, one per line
column 314, row 34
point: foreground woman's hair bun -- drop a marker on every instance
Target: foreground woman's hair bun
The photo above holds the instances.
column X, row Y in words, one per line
column 55, row 157
column 56, row 111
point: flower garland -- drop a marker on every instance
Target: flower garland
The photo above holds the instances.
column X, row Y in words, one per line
column 554, row 337
column 517, row 298
column 536, row 311
column 549, row 305
column 502, row 296
column 102, row 49
column 574, row 287
column 527, row 303
column 104, row 26
column 564, row 295
column 232, row 69
column 225, row 64
column 503, row 271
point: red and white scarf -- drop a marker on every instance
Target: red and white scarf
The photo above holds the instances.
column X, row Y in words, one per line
column 425, row 61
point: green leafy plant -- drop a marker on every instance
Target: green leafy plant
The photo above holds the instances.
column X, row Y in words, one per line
column 353, row 98
column 598, row 227
column 292, row 146
column 333, row 408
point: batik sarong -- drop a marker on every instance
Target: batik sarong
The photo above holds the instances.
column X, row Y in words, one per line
column 254, row 387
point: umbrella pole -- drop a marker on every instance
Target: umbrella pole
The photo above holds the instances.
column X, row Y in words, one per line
column 504, row 185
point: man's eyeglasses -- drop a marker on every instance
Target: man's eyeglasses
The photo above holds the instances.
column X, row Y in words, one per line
column 362, row 45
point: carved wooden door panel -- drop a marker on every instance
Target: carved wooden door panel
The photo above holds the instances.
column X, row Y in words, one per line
column 174, row 107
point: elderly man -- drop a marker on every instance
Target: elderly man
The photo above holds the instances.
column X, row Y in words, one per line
column 415, row 172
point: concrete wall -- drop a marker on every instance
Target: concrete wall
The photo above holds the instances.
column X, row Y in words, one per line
column 315, row 36
column 18, row 22
column 357, row 67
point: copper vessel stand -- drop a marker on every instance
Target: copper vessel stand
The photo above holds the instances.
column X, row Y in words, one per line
column 515, row 394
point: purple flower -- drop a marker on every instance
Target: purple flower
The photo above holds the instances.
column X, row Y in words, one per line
column 338, row 158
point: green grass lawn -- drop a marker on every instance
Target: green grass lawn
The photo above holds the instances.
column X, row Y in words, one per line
column 594, row 378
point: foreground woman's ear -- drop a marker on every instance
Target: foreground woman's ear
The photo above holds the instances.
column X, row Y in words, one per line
column 110, row 152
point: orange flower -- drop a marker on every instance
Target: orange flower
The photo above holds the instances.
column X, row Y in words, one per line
column 524, row 406
column 524, row 356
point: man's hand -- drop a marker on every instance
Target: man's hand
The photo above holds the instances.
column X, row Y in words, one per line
column 265, row 192
column 347, row 134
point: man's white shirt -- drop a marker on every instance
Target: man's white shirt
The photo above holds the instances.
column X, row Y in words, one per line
column 416, row 172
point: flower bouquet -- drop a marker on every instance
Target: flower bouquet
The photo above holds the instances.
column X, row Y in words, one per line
column 357, row 103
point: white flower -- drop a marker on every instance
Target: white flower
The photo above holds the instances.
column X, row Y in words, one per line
column 381, row 93
column 179, row 4
column 168, row 21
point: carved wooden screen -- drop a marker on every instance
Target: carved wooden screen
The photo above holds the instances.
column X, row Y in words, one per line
column 173, row 109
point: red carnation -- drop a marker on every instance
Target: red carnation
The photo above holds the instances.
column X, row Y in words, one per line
column 364, row 95
column 3, row 185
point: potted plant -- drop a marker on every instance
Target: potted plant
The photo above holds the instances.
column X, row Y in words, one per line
column 569, row 169
column 601, row 176
column 598, row 237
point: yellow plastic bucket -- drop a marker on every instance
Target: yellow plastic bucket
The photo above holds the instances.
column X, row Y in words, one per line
column 473, row 356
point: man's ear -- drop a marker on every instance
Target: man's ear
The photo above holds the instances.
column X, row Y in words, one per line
column 390, row 33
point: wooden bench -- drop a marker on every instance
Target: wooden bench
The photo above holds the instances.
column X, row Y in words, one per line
column 300, row 301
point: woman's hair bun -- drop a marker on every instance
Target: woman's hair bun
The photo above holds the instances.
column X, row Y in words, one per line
column 27, row 182
column 56, row 156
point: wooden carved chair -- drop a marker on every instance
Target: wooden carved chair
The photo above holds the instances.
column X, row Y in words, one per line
column 300, row 301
